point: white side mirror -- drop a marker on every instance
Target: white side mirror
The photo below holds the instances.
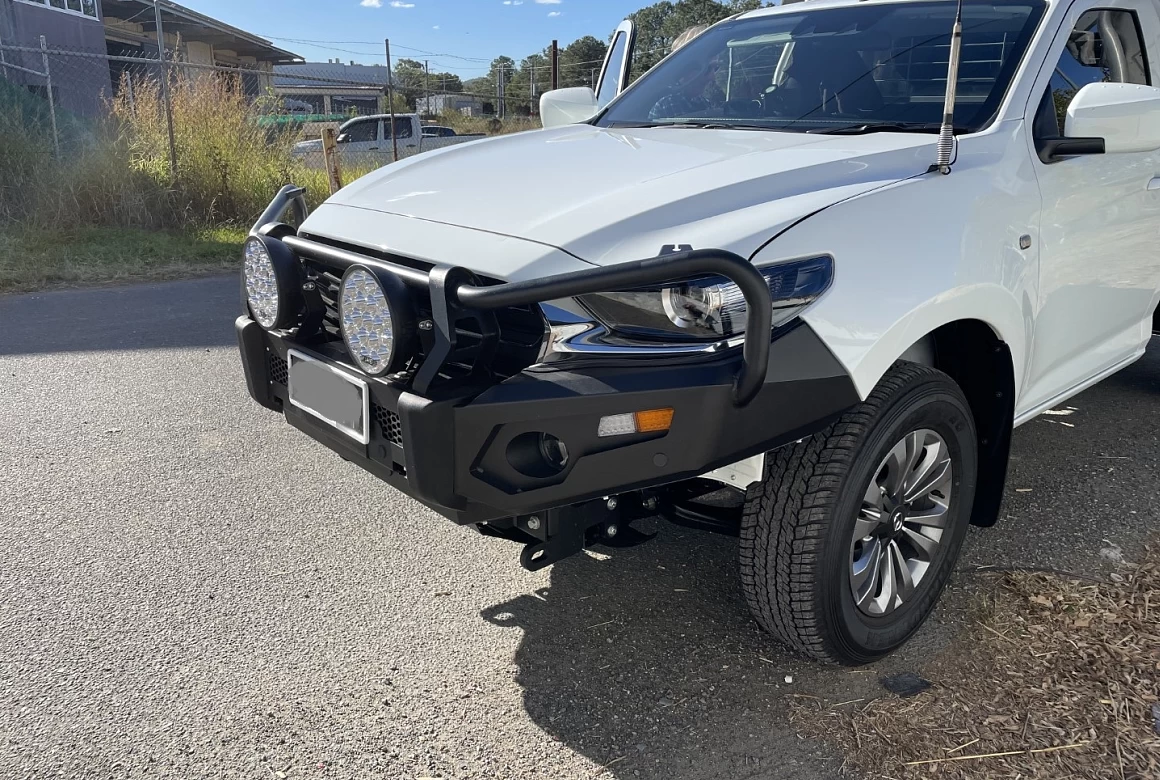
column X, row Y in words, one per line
column 567, row 106
column 1126, row 116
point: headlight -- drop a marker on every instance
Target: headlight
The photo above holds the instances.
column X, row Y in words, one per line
column 713, row 308
column 271, row 278
column 376, row 319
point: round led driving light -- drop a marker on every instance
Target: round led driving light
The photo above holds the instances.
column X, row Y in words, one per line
column 376, row 320
column 261, row 283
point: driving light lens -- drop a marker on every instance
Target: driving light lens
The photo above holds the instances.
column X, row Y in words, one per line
column 261, row 284
column 368, row 326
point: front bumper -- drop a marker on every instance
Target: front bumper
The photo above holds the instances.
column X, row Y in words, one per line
column 452, row 454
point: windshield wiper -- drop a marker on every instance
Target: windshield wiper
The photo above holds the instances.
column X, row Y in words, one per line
column 883, row 127
column 705, row 125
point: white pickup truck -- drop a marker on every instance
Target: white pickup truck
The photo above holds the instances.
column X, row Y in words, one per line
column 788, row 266
column 365, row 142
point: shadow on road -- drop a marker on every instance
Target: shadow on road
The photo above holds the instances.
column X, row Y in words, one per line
column 188, row 313
column 645, row 660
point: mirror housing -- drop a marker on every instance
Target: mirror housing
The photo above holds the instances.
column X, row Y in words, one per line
column 1125, row 116
column 569, row 106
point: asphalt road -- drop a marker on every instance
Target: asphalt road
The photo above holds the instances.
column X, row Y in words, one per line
column 190, row 588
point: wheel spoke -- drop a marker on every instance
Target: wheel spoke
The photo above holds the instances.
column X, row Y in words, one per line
column 932, row 517
column 900, row 462
column 924, row 547
column 864, row 577
column 885, row 599
column 905, row 581
column 930, row 473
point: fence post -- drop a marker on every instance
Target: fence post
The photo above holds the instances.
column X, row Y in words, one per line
column 48, row 89
column 391, row 102
column 330, row 156
column 165, row 90
column 3, row 60
column 129, row 92
column 427, row 89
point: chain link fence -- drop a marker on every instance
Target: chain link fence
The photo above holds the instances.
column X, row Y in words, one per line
column 68, row 96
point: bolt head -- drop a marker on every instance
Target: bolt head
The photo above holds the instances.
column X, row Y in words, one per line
column 611, row 530
column 611, row 503
column 534, row 523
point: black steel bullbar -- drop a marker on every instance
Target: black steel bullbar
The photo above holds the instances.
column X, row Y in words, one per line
column 674, row 267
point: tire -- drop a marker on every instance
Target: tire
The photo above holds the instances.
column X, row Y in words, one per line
column 799, row 553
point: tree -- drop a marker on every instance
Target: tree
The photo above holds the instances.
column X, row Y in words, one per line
column 658, row 25
column 580, row 62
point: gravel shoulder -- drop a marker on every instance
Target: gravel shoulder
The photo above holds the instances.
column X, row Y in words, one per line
column 191, row 588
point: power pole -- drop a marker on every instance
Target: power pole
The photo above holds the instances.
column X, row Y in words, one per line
column 555, row 64
column 532, row 93
column 391, row 102
column 499, row 90
column 427, row 87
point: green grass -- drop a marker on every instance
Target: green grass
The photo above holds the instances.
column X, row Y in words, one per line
column 38, row 259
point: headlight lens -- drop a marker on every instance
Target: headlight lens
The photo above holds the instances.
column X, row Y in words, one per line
column 261, row 283
column 368, row 325
column 712, row 308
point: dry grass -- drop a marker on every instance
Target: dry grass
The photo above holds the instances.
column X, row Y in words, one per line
column 38, row 259
column 1057, row 679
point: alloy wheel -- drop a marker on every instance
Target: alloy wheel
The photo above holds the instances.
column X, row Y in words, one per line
column 900, row 525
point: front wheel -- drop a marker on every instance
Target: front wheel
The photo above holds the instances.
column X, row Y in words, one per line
column 848, row 541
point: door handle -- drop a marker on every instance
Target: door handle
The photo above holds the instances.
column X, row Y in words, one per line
column 373, row 148
column 1154, row 183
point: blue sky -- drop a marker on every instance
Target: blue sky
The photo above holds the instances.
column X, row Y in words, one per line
column 470, row 29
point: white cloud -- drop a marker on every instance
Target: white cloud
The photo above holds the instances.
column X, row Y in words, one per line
column 555, row 13
column 436, row 27
column 513, row 2
column 549, row 2
column 400, row 4
column 371, row 3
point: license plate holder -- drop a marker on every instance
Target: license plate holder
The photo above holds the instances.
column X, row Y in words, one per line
column 330, row 394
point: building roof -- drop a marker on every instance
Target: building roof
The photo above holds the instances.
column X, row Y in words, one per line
column 193, row 26
column 321, row 73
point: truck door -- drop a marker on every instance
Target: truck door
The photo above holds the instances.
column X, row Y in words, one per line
column 614, row 74
column 1099, row 265
column 360, row 144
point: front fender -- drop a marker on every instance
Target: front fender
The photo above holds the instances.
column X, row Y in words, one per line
column 925, row 252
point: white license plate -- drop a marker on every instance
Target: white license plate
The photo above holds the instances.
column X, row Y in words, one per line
column 330, row 394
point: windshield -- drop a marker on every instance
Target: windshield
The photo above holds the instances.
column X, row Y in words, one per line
column 852, row 68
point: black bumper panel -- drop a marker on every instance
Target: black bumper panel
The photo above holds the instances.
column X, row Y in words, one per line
column 455, row 454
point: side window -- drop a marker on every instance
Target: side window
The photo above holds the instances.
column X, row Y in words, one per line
column 610, row 84
column 1105, row 45
column 363, row 131
column 402, row 127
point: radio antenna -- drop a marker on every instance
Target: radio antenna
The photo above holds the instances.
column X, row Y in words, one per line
column 946, row 133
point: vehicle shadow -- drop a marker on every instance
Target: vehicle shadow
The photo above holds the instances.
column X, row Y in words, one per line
column 645, row 661
column 183, row 314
